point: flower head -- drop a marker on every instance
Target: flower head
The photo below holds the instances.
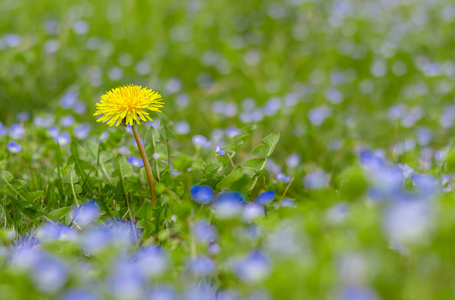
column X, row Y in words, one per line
column 127, row 105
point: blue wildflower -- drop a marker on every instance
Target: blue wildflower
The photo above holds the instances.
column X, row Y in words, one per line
column 136, row 162
column 265, row 197
column 229, row 205
column 3, row 129
column 252, row 268
column 182, row 128
column 201, row 265
column 201, row 141
column 204, row 231
column 283, row 178
column 78, row 294
column 82, row 131
column 202, row 193
column 67, row 121
column 14, row 147
column 16, row 131
column 63, row 138
column 86, row 214
column 220, row 151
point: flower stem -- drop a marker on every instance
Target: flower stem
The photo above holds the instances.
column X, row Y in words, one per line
column 148, row 169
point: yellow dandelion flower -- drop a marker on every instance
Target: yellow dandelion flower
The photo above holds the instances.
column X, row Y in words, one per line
column 127, row 105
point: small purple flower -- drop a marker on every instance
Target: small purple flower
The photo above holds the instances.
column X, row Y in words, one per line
column 182, row 128
column 49, row 274
column 253, row 211
column 214, row 248
column 201, row 265
column 265, row 197
column 78, row 294
column 80, row 108
column 136, row 162
column 357, row 293
column 163, row 292
column 53, row 132
column 63, row 138
column 41, row 122
column 152, row 261
column 86, row 214
column 68, row 100
column 220, row 151
column 293, row 160
column 316, row 179
column 52, row 232
column 95, row 239
column 16, row 131
column 82, row 131
column 318, row 115
column 182, row 100
column 229, row 205
column 202, row 193
column 3, row 129
column 286, row 203
column 232, row 131
column 252, row 268
column 204, row 231
column 283, row 178
column 23, row 116
column 14, row 147
column 67, row 121
column 201, row 141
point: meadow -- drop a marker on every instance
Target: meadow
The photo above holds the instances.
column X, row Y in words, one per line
column 304, row 150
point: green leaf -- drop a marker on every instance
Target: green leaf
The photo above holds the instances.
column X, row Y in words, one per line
column 257, row 164
column 261, row 150
column 183, row 163
column 32, row 213
column 145, row 212
column 59, row 213
column 122, row 171
column 32, row 196
column 122, row 167
column 5, row 178
column 231, row 178
column 164, row 120
column 77, row 150
column 69, row 189
column 152, row 136
column 265, row 150
column 70, row 177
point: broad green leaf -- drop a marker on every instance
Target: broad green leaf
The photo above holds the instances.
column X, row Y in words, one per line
column 257, row 164
column 77, row 150
column 122, row 167
column 70, row 177
column 32, row 196
column 261, row 150
column 5, row 178
column 152, row 136
column 70, row 180
column 231, row 178
column 122, row 171
column 145, row 212
column 32, row 213
column 183, row 163
column 69, row 189
column 164, row 120
column 265, row 150
column 59, row 213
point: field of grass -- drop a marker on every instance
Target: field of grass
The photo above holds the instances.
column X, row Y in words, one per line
column 304, row 150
